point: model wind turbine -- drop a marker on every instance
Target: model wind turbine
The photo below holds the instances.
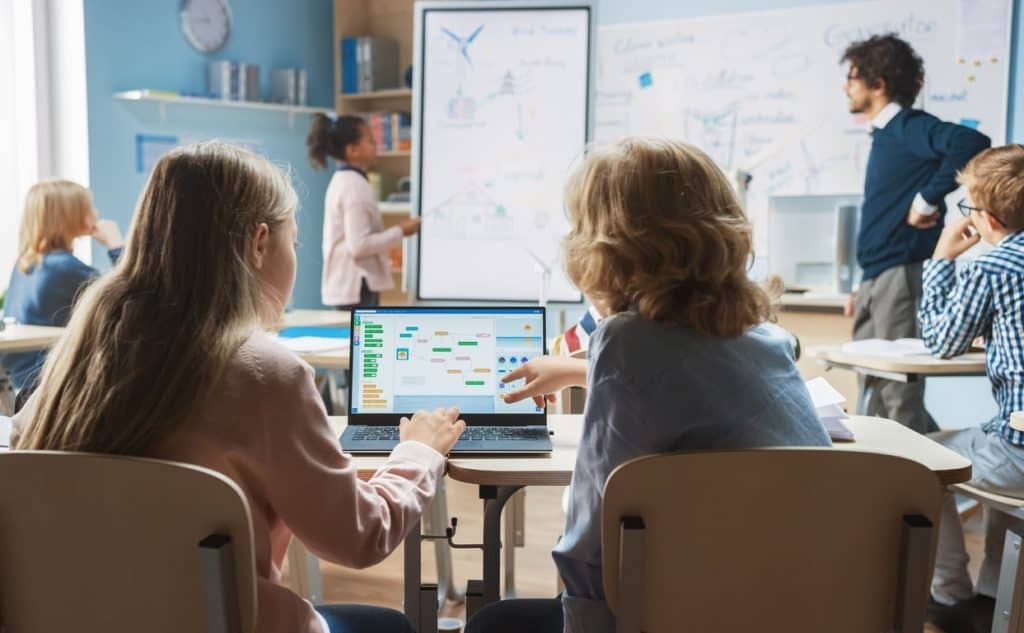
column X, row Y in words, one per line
column 544, row 269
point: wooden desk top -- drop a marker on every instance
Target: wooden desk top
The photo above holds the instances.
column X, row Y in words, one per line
column 331, row 359
column 812, row 302
column 970, row 364
column 888, row 437
column 875, row 435
column 316, row 318
column 28, row 338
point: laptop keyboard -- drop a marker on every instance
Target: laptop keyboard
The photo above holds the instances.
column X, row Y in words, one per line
column 473, row 433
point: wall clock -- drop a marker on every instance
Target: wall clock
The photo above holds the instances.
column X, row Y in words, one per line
column 206, row 24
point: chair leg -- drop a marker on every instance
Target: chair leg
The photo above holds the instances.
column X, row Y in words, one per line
column 1009, row 612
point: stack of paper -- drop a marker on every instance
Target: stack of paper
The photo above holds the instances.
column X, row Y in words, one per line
column 826, row 401
column 880, row 347
column 313, row 344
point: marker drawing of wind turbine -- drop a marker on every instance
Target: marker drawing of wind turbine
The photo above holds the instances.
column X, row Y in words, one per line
column 464, row 42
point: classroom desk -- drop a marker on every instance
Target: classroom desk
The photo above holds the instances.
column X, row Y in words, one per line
column 500, row 477
column 905, row 369
column 812, row 302
column 330, row 359
column 28, row 338
column 316, row 318
column 22, row 338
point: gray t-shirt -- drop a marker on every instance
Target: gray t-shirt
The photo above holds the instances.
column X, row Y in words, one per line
column 658, row 388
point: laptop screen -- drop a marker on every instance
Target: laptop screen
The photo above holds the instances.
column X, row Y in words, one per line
column 409, row 358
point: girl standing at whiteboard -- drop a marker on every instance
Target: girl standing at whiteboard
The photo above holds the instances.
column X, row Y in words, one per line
column 356, row 264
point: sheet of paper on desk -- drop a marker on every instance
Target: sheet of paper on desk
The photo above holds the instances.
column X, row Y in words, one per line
column 834, row 420
column 312, row 344
column 823, row 394
column 826, row 400
column 880, row 347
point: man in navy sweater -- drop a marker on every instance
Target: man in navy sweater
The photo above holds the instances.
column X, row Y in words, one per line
column 912, row 165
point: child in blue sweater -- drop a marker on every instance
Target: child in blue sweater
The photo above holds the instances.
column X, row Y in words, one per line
column 47, row 278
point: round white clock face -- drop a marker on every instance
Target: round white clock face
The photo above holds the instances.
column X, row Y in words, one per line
column 206, row 23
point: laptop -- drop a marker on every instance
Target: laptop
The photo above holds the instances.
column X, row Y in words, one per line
column 405, row 359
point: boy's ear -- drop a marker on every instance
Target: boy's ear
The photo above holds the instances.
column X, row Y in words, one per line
column 260, row 242
column 992, row 223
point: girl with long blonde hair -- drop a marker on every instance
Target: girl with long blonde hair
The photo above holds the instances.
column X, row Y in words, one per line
column 47, row 277
column 166, row 357
column 682, row 359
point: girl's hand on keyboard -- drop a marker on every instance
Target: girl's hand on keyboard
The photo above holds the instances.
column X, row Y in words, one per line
column 544, row 377
column 439, row 429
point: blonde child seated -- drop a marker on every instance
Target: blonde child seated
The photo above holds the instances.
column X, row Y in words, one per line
column 166, row 357
column 681, row 360
column 987, row 299
column 47, row 276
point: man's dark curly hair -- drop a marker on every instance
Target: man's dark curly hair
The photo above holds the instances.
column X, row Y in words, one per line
column 887, row 58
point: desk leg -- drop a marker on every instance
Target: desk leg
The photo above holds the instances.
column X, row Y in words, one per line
column 413, row 607
column 316, row 583
column 298, row 567
column 436, row 522
column 514, row 537
column 494, row 498
column 868, row 381
column 868, row 389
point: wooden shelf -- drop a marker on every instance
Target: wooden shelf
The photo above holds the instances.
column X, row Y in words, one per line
column 165, row 98
column 391, row 93
column 392, row 19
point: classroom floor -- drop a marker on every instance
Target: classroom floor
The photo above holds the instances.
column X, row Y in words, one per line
column 535, row 573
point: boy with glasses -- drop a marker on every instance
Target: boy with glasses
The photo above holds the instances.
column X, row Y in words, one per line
column 987, row 300
column 911, row 167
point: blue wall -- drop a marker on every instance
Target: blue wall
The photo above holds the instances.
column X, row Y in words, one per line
column 132, row 44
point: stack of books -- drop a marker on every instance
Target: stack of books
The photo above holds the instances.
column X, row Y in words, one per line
column 391, row 130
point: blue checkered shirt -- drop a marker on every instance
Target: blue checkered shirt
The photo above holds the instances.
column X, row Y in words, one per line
column 987, row 300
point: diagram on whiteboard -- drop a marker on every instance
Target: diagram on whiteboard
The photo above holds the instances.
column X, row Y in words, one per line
column 503, row 116
column 471, row 215
column 763, row 92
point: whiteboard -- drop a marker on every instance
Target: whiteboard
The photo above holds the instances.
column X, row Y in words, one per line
column 502, row 98
column 763, row 92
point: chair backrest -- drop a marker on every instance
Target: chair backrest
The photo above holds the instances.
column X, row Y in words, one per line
column 794, row 540
column 93, row 543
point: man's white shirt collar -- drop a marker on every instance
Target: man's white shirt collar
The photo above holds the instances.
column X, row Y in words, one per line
column 887, row 114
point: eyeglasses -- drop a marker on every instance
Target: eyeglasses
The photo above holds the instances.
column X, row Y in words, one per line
column 965, row 210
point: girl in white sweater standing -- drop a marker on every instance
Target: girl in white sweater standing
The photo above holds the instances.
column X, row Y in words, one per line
column 356, row 264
